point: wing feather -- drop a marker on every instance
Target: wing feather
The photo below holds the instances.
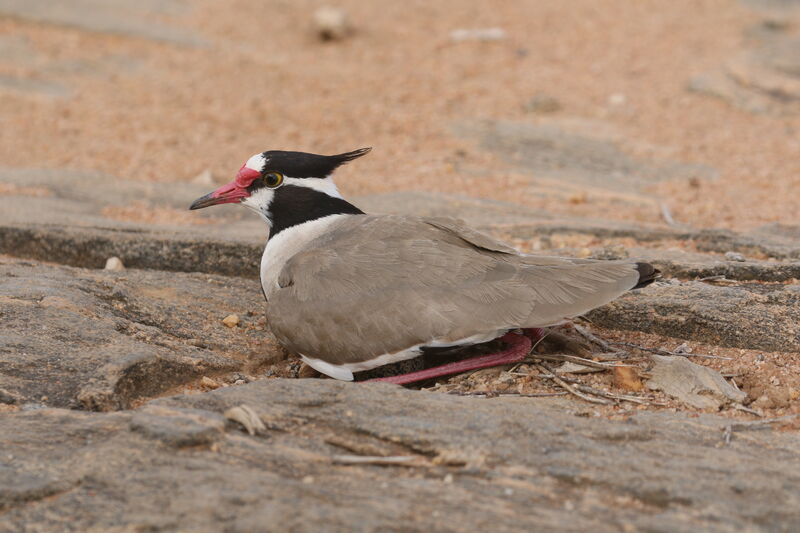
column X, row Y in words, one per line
column 381, row 284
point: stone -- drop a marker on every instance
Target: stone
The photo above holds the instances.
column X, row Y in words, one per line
column 332, row 23
column 693, row 384
column 231, row 321
column 617, row 99
column 501, row 464
column 735, row 256
column 114, row 264
column 208, row 383
column 102, row 340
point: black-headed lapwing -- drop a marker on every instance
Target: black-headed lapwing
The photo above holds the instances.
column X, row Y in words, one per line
column 350, row 292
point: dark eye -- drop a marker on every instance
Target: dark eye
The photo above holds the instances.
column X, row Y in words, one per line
column 273, row 179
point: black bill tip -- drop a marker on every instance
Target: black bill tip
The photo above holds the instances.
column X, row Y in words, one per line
column 203, row 201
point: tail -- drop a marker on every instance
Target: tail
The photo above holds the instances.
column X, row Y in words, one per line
column 647, row 274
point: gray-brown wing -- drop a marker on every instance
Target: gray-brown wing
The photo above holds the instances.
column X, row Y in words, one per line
column 470, row 235
column 487, row 242
column 381, row 284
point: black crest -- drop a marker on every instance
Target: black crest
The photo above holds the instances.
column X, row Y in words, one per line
column 304, row 165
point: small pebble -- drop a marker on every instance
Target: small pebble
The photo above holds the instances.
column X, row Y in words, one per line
column 683, row 349
column 231, row 320
column 114, row 264
column 617, row 99
column 209, row 383
column 734, row 256
column 331, row 23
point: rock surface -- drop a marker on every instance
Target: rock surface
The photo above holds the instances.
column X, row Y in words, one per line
column 101, row 340
column 203, row 438
column 69, row 217
column 687, row 265
column 123, row 17
column 766, row 77
column 327, row 455
column 589, row 157
column 755, row 315
column 501, row 465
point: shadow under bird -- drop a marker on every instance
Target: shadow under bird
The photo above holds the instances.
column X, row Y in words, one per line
column 350, row 291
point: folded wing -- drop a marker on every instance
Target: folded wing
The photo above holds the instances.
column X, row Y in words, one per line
column 381, row 284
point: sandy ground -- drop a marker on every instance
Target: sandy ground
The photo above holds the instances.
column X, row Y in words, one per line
column 265, row 82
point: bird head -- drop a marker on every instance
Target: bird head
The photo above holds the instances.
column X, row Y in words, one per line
column 276, row 177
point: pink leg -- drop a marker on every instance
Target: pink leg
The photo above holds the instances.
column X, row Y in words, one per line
column 519, row 347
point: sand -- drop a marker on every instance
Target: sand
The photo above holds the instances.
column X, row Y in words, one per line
column 399, row 84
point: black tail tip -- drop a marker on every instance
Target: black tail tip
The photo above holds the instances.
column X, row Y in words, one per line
column 647, row 274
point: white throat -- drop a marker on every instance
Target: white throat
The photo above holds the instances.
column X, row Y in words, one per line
column 289, row 242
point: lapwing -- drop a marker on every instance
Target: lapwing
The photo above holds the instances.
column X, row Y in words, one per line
column 349, row 291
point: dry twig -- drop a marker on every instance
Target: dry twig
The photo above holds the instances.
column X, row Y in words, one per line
column 659, row 351
column 740, row 407
column 393, row 460
column 567, row 387
column 728, row 429
column 597, row 392
column 577, row 360
column 591, row 337
column 491, row 394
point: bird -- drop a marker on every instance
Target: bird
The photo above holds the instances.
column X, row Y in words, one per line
column 349, row 291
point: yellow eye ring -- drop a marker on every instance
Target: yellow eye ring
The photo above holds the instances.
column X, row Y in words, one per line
column 273, row 179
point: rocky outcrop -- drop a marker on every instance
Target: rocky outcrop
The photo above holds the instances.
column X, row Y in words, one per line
column 754, row 315
column 102, row 340
column 765, row 77
column 340, row 456
column 266, row 454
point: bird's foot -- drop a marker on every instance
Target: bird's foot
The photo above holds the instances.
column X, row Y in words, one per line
column 519, row 346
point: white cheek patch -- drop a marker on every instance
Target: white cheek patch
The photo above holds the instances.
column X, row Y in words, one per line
column 260, row 202
column 257, row 162
column 324, row 185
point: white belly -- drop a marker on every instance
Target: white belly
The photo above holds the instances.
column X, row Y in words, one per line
column 345, row 372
